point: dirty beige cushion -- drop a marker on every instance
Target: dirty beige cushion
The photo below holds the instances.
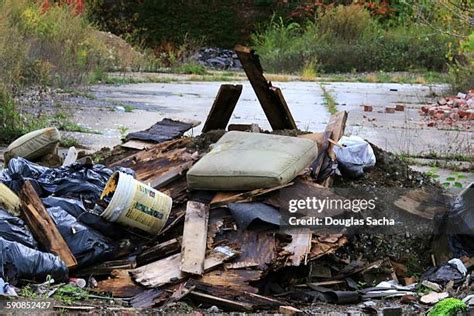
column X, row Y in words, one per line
column 34, row 145
column 247, row 161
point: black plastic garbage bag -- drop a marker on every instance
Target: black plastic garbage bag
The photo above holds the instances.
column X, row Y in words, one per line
column 74, row 181
column 77, row 209
column 87, row 244
column 20, row 262
column 12, row 228
column 458, row 225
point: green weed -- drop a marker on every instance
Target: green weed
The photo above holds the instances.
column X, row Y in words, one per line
column 329, row 100
column 68, row 142
column 190, row 68
column 448, row 307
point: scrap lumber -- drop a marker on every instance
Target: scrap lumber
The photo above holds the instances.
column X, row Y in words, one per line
column 289, row 310
column 223, row 106
column 137, row 145
column 300, row 246
column 318, row 162
column 106, row 268
column 224, row 198
column 147, row 298
column 42, row 225
column 323, row 245
column 336, row 127
column 236, row 279
column 234, row 294
column 271, row 98
column 423, row 204
column 167, row 271
column 161, row 164
column 257, row 249
column 226, row 304
column 119, row 285
column 160, row 251
column 193, row 249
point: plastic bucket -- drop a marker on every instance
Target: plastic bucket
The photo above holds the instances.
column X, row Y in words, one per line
column 135, row 204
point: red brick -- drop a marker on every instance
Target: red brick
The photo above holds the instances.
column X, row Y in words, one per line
column 368, row 108
column 400, row 107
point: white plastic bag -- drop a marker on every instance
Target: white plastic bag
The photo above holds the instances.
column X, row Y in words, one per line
column 355, row 155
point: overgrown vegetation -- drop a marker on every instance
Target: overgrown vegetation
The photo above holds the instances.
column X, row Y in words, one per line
column 349, row 39
column 51, row 46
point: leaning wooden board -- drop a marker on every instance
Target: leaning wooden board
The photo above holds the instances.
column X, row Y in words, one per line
column 43, row 227
column 272, row 101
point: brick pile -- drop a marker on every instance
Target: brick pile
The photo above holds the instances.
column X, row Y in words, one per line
column 451, row 111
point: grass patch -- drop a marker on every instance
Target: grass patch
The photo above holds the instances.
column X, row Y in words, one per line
column 62, row 121
column 190, row 68
column 309, row 72
column 67, row 142
column 417, row 77
column 79, row 93
column 329, row 100
column 128, row 108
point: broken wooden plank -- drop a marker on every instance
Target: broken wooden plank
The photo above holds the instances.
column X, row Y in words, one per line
column 193, row 249
column 234, row 294
column 106, row 268
column 162, row 131
column 271, row 98
column 42, row 225
column 323, row 245
column 160, row 251
column 236, row 279
column 223, row 198
column 147, row 298
column 317, row 163
column 167, row 271
column 160, row 164
column 223, row 106
column 423, row 204
column 226, row 304
column 336, row 127
column 300, row 245
column 257, row 249
column 137, row 145
column 289, row 310
column 119, row 285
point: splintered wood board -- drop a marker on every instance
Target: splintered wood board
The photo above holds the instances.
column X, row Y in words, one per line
column 167, row 271
column 193, row 247
column 42, row 225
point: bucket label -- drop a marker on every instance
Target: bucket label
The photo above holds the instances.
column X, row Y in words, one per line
column 140, row 217
column 146, row 191
column 147, row 210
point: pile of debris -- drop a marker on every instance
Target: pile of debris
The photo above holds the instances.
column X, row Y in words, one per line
column 169, row 218
column 217, row 58
column 451, row 111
